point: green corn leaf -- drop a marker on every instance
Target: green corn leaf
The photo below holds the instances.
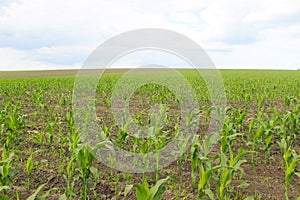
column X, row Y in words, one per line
column 5, row 170
column 292, row 166
column 141, row 192
column 2, row 170
column 243, row 185
column 4, row 197
column 44, row 196
column 157, row 191
column 203, row 177
column 63, row 197
column 4, row 188
column 210, row 194
column 127, row 189
column 35, row 194
column 29, row 164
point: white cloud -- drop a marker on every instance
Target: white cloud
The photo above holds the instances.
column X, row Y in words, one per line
column 55, row 33
column 276, row 13
column 11, row 59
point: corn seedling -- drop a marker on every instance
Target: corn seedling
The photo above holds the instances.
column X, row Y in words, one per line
column 29, row 166
column 84, row 159
column 6, row 169
column 228, row 169
column 68, row 177
column 291, row 160
column 143, row 192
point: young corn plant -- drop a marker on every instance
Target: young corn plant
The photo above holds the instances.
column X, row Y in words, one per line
column 206, row 171
column 39, row 195
column 291, row 160
column 5, row 170
column 257, row 138
column 41, row 137
column 29, row 167
column 205, row 165
column 228, row 169
column 194, row 155
column 15, row 121
column 182, row 144
column 270, row 129
column 157, row 137
column 183, row 140
column 143, row 192
column 85, row 160
column 159, row 143
column 70, row 172
column 74, row 140
column 50, row 130
column 228, row 136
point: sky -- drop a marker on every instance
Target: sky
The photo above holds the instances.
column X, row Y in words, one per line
column 259, row 34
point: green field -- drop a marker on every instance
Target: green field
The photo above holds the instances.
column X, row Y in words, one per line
column 257, row 155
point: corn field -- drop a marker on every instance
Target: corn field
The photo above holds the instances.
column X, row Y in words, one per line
column 257, row 155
